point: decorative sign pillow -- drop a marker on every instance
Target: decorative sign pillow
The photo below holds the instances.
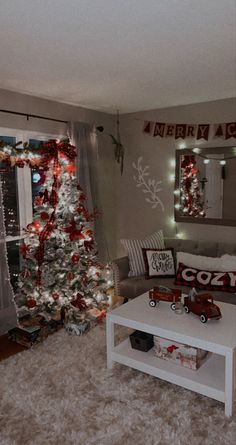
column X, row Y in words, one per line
column 159, row 262
column 205, row 279
column 133, row 248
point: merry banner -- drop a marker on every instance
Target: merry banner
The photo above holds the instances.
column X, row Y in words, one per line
column 196, row 131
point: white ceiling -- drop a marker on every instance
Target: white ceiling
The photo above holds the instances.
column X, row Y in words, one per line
column 129, row 55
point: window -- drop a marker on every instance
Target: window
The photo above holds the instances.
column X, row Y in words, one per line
column 20, row 186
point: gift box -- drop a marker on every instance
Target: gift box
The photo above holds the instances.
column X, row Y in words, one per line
column 179, row 353
column 25, row 336
column 141, row 341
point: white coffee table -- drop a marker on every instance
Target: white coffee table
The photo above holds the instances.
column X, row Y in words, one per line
column 215, row 378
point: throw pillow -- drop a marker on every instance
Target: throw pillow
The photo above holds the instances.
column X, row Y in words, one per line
column 205, row 279
column 133, row 248
column 199, row 261
column 159, row 262
column 228, row 262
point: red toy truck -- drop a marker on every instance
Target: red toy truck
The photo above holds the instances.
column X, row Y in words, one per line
column 162, row 293
column 203, row 306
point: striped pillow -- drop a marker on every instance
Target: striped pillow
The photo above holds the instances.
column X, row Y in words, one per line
column 133, row 247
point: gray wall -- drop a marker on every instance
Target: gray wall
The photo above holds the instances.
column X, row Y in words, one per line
column 32, row 105
column 126, row 213
column 135, row 216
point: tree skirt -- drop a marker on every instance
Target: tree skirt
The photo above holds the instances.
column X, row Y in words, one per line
column 60, row 392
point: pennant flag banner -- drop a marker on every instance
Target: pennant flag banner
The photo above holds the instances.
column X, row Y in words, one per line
column 196, row 131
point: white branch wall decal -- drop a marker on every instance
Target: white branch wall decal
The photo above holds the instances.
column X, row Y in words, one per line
column 148, row 185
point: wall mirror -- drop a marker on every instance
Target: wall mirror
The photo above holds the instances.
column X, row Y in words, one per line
column 205, row 186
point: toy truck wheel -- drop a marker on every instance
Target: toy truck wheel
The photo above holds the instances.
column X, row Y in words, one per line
column 152, row 303
column 172, row 306
column 186, row 309
column 203, row 318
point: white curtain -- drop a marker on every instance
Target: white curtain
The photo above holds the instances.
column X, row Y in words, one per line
column 84, row 137
column 7, row 306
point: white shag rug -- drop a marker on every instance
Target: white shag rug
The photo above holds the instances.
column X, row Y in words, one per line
column 62, row 393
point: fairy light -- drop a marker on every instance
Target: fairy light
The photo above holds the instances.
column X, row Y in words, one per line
column 196, row 150
column 177, row 192
column 8, row 291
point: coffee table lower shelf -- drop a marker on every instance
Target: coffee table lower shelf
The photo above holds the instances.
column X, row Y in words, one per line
column 208, row 380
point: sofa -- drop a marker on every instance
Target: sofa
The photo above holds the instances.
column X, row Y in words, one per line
column 131, row 287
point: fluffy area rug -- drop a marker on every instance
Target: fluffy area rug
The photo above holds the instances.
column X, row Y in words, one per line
column 60, row 392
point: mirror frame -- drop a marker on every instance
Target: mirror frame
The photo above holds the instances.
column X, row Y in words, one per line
column 190, row 219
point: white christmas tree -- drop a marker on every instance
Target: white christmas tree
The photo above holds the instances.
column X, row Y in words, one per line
column 60, row 265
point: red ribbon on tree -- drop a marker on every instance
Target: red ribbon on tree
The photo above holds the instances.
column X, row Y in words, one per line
column 75, row 234
column 52, row 148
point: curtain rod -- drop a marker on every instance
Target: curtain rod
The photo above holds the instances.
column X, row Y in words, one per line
column 28, row 115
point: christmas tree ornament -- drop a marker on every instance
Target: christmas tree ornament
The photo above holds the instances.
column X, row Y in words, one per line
column 31, row 303
column 55, row 296
column 44, row 216
column 75, row 258
column 70, row 275
column 24, row 249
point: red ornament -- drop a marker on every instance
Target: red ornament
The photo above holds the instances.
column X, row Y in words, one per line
column 75, row 234
column 55, row 296
column 38, row 201
column 31, row 303
column 70, row 276
column 84, row 279
column 88, row 245
column 70, row 169
column 82, row 197
column 34, row 226
column 75, row 258
column 26, row 274
column 79, row 302
column 44, row 216
column 24, row 249
column 88, row 233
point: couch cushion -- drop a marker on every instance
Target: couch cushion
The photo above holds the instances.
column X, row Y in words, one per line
column 199, row 261
column 159, row 262
column 205, row 279
column 133, row 248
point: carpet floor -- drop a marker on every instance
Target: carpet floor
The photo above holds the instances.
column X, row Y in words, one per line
column 60, row 392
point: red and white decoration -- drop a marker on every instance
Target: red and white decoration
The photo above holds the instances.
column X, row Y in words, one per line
column 159, row 262
column 195, row 131
column 206, row 279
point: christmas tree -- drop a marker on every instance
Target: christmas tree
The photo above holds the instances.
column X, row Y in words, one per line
column 60, row 266
column 192, row 203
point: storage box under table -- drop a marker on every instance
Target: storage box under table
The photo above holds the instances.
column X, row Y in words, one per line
column 141, row 341
column 179, row 353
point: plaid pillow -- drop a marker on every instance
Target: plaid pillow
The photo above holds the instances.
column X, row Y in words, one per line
column 133, row 247
column 205, row 279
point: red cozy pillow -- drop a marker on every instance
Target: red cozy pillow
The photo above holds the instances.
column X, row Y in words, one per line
column 205, row 279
